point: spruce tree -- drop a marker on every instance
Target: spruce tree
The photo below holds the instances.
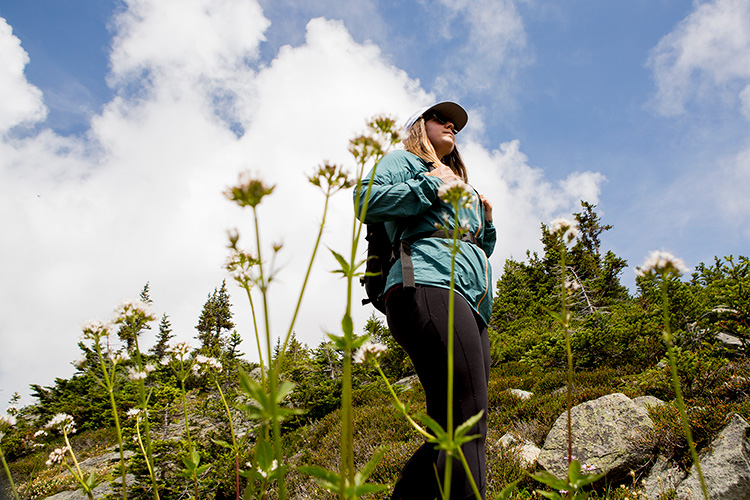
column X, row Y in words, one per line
column 215, row 320
column 163, row 337
column 124, row 333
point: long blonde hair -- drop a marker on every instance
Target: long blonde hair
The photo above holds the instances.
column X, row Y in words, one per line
column 418, row 143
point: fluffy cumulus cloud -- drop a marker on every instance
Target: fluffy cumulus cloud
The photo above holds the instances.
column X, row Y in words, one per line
column 493, row 51
column 707, row 54
column 21, row 102
column 89, row 220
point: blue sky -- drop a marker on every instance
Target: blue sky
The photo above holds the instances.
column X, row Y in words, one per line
column 122, row 121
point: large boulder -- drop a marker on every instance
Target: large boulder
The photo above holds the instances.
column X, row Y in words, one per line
column 606, row 435
column 726, row 466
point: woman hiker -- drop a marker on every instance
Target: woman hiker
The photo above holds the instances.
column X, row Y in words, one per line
column 404, row 195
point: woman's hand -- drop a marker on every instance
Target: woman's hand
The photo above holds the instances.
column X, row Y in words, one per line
column 487, row 208
column 444, row 173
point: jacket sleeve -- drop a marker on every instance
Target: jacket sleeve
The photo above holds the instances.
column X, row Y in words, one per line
column 489, row 238
column 398, row 190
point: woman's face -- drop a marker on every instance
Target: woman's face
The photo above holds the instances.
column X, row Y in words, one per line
column 441, row 136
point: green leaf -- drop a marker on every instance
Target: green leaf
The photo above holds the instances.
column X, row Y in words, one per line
column 345, row 270
column 468, row 424
column 339, row 342
column 505, row 494
column 347, row 326
column 370, row 466
column 223, row 444
column 550, row 480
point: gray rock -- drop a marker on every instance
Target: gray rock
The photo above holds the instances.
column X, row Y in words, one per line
column 407, row 383
column 528, row 452
column 605, row 435
column 520, row 394
column 726, row 467
column 100, row 491
column 664, row 476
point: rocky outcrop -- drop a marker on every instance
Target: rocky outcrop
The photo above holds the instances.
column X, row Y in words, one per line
column 726, row 466
column 527, row 451
column 606, row 433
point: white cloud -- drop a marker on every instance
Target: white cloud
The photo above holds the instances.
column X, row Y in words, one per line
column 707, row 54
column 21, row 102
column 522, row 198
column 493, row 51
column 88, row 221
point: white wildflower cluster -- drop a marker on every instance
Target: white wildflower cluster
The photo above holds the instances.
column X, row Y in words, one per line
column 62, row 421
column 80, row 361
column 659, row 262
column 206, row 362
column 456, row 192
column 572, row 286
column 240, row 265
column 265, row 474
column 135, row 413
column 131, row 308
column 7, row 420
column 96, row 329
column 565, row 229
column 40, row 433
column 369, row 352
column 57, row 456
column 118, row 357
column 180, row 349
column 134, row 373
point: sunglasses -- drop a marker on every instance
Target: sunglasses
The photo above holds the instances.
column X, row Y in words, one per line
column 440, row 118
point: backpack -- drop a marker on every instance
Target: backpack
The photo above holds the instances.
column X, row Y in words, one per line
column 381, row 255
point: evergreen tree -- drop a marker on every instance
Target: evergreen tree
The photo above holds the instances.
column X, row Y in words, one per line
column 163, row 337
column 124, row 333
column 215, row 321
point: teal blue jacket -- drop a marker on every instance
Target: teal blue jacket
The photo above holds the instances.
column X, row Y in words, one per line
column 404, row 197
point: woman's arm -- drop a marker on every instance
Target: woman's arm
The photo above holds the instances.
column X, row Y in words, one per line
column 489, row 235
column 400, row 189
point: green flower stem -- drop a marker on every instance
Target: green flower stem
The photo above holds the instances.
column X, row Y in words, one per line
column 109, row 379
column 401, row 406
column 148, row 455
column 143, row 449
column 78, row 474
column 7, row 473
column 469, row 474
column 568, row 350
column 235, row 448
column 669, row 340
column 257, row 335
column 346, row 467
column 280, row 359
column 451, row 313
column 272, row 386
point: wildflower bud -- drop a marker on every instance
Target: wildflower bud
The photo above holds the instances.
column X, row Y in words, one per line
column 370, row 352
column 273, row 467
column 455, row 193
column 130, row 310
column 564, row 229
column 249, row 191
column 63, row 422
column 662, row 263
column 7, row 420
column 95, row 329
column 330, row 178
column 136, row 374
column 57, row 456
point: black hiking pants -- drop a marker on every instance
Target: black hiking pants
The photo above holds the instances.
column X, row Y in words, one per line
column 418, row 320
